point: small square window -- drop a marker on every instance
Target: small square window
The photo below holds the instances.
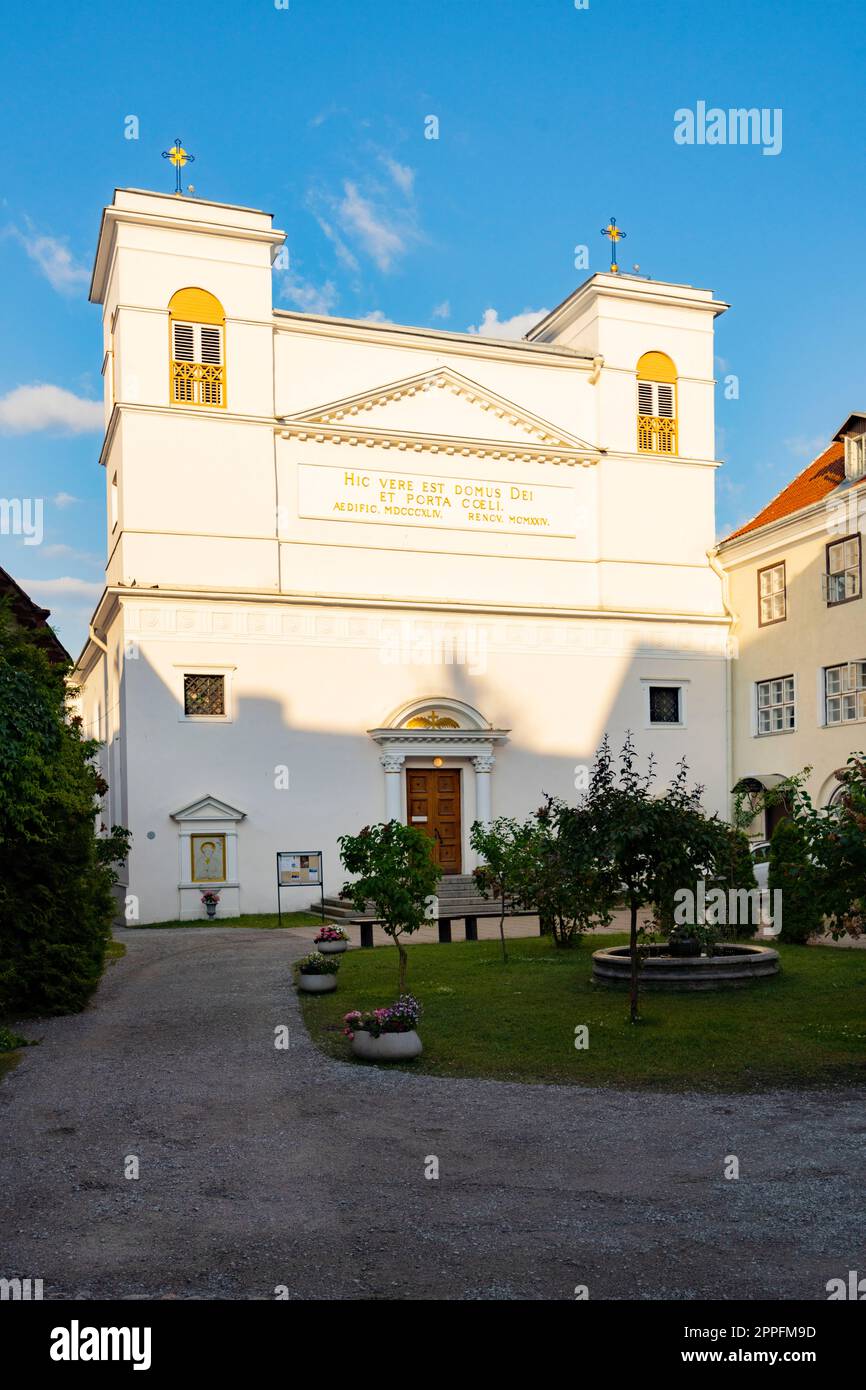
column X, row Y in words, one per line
column 664, row 704
column 203, row 695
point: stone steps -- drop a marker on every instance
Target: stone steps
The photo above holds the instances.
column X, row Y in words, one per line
column 457, row 894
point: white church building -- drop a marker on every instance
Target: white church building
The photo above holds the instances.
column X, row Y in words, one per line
column 357, row 570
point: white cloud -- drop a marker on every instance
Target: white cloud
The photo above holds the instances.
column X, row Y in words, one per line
column 67, row 587
column 54, row 260
column 64, row 499
column 441, row 311
column 376, row 316
column 27, row 409
column 68, row 552
column 491, row 326
column 343, row 253
column 309, row 298
column 403, row 176
column 378, row 231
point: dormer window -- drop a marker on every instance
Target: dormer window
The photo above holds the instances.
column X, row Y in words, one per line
column 197, row 349
column 855, row 455
column 656, row 404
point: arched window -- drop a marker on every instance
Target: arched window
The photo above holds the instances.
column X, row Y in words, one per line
column 197, row 349
column 656, row 404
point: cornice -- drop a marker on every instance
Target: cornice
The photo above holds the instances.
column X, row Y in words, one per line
column 406, row 442
column 299, row 598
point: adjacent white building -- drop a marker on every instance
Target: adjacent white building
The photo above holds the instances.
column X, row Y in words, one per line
column 358, row 570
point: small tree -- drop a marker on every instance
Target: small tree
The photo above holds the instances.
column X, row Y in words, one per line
column 737, row 871
column 561, row 874
column 796, row 877
column 502, row 845
column 395, row 872
column 834, row 843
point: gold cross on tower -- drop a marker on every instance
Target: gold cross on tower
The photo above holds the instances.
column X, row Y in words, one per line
column 613, row 234
column 178, row 157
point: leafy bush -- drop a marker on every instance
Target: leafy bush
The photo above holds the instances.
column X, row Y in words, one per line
column 56, row 874
column 396, row 873
column 793, row 873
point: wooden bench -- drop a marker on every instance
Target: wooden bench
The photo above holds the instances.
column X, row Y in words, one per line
column 367, row 924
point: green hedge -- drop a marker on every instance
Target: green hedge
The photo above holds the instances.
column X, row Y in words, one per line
column 56, row 876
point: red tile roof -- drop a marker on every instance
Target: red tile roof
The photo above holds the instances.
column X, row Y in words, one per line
column 817, row 479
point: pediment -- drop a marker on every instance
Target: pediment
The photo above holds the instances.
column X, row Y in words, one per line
column 208, row 808
column 442, row 404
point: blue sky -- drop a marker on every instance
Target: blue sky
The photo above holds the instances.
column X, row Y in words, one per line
column 551, row 118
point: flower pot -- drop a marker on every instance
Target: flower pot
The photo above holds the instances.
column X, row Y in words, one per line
column 330, row 948
column 317, row 984
column 687, row 947
column 388, row 1047
column 210, row 909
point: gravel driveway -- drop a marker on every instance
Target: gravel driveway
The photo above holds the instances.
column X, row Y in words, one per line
column 262, row 1168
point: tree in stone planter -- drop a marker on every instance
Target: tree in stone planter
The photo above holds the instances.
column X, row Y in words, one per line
column 394, row 870
column 653, row 845
column 502, row 845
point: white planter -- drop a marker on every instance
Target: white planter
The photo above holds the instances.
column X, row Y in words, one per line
column 330, row 948
column 388, row 1047
column 317, row 984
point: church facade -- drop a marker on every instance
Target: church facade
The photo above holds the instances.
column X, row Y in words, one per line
column 357, row 570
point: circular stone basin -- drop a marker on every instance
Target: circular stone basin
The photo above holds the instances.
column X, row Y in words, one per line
column 731, row 965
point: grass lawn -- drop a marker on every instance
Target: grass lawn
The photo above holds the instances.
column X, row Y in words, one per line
column 805, row 1027
column 250, row 919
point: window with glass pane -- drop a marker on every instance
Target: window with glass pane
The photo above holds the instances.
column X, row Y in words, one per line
column 771, row 593
column 776, row 705
column 845, row 692
column 664, row 704
column 843, row 570
column 203, row 695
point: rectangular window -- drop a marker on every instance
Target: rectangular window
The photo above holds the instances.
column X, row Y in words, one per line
column 197, row 369
column 776, row 705
column 665, row 704
column 842, row 580
column 772, row 601
column 656, row 418
column 845, row 692
column 203, row 695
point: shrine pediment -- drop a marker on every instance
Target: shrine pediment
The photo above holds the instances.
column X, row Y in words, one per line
column 443, row 406
column 208, row 808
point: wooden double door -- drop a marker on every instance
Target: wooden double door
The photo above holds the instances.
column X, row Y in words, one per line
column 433, row 805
